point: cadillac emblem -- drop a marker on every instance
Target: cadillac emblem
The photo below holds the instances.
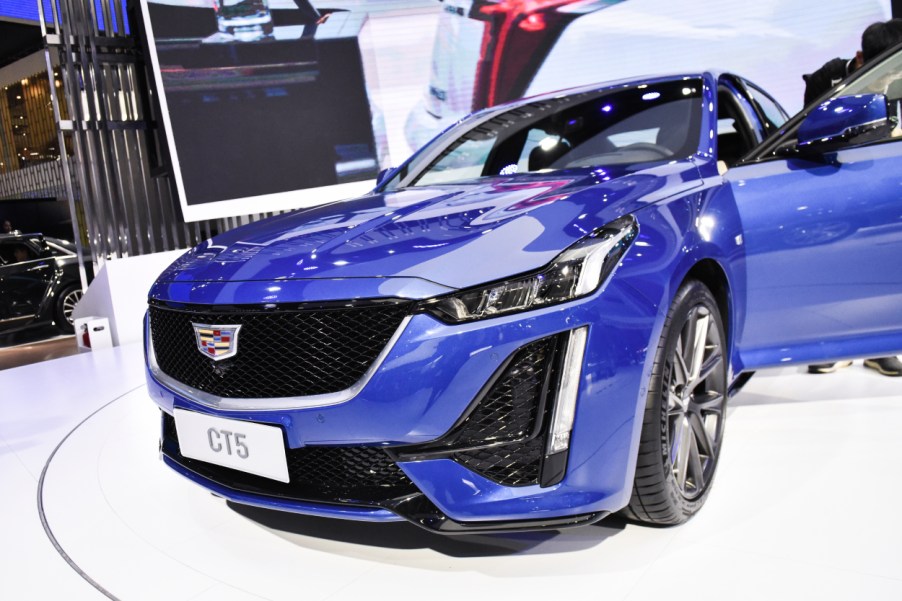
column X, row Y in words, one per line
column 216, row 342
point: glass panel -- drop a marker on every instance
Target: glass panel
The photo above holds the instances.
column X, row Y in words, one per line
column 16, row 252
column 632, row 126
column 774, row 115
column 883, row 79
column 462, row 163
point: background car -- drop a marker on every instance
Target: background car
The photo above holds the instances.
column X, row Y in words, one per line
column 39, row 282
column 538, row 319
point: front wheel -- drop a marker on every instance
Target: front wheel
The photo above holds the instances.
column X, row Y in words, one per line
column 682, row 430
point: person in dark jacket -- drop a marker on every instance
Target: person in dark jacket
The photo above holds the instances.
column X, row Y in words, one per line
column 875, row 39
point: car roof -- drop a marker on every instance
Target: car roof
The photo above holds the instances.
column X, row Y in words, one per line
column 21, row 235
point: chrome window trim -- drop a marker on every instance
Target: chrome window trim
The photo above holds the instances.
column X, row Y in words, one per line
column 265, row 404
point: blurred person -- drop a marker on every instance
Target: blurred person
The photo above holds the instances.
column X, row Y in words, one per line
column 876, row 38
column 7, row 226
column 20, row 253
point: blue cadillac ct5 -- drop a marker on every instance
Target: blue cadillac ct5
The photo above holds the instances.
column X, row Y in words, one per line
column 538, row 319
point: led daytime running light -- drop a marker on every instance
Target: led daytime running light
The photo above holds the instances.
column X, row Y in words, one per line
column 565, row 408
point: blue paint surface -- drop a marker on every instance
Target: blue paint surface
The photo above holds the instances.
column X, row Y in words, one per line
column 806, row 251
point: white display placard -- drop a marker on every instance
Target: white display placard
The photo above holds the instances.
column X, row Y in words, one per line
column 242, row 445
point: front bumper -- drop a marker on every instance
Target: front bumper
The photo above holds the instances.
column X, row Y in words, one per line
column 422, row 389
column 416, row 509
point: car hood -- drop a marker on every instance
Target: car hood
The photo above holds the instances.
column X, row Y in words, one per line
column 453, row 235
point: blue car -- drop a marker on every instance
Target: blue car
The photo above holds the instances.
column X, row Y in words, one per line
column 539, row 318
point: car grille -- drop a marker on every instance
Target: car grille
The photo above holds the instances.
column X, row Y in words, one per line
column 503, row 437
column 364, row 475
column 512, row 410
column 512, row 465
column 504, row 432
column 281, row 353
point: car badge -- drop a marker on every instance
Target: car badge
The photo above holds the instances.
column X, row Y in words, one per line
column 216, row 341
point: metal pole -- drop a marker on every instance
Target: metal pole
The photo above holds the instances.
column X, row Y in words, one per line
column 61, row 140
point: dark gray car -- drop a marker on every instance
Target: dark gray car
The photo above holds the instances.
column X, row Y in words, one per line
column 39, row 282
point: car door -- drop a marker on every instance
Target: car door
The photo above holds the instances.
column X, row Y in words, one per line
column 823, row 242
column 24, row 283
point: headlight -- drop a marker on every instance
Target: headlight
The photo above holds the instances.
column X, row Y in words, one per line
column 576, row 272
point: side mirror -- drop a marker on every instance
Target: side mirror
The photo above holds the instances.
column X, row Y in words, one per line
column 383, row 176
column 844, row 121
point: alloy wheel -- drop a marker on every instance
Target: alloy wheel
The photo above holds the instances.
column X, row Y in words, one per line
column 695, row 400
column 69, row 301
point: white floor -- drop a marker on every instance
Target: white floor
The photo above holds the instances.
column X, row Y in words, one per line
column 805, row 506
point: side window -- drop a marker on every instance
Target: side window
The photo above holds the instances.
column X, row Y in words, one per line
column 882, row 79
column 6, row 254
column 734, row 139
column 774, row 115
column 16, row 252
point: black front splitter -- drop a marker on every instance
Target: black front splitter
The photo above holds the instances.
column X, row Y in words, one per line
column 420, row 511
column 415, row 508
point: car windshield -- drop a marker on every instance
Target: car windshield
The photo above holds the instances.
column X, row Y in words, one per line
column 622, row 126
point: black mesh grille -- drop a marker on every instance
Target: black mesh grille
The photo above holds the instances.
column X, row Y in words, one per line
column 321, row 474
column 281, row 353
column 513, row 409
column 508, row 425
column 512, row 465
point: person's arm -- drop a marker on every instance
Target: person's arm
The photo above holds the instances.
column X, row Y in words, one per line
column 819, row 82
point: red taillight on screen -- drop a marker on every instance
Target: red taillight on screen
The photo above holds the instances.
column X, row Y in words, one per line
column 533, row 23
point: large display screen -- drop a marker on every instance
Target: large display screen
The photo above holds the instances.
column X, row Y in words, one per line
column 27, row 10
column 277, row 104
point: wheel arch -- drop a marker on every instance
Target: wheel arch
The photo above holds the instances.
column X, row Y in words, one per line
column 711, row 274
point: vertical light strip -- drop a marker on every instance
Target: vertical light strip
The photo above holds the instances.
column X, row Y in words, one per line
column 565, row 406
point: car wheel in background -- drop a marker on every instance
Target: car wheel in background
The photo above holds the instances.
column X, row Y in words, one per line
column 685, row 409
column 65, row 305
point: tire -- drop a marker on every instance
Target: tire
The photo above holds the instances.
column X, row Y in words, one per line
column 65, row 303
column 682, row 430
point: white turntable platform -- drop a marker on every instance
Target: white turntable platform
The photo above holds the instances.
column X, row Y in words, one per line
column 805, row 506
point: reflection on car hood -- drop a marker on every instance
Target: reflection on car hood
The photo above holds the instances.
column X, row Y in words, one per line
column 454, row 235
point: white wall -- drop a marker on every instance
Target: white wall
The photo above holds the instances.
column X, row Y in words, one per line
column 119, row 293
